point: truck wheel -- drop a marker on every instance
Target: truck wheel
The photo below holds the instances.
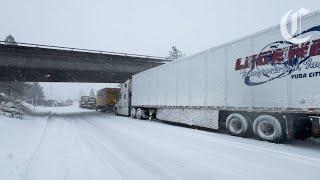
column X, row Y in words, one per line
column 139, row 113
column 238, row 124
column 133, row 113
column 268, row 128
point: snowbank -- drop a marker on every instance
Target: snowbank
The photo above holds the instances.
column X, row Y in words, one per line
column 12, row 110
column 42, row 110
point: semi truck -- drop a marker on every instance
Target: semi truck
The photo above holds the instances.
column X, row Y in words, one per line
column 261, row 85
column 87, row 102
column 106, row 99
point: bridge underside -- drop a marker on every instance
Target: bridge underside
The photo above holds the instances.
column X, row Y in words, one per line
column 34, row 64
column 52, row 75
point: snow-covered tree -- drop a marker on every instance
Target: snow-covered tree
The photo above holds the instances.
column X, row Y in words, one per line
column 13, row 89
column 10, row 40
column 81, row 93
column 92, row 94
column 175, row 53
column 34, row 91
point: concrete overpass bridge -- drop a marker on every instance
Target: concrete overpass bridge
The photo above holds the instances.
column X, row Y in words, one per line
column 42, row 63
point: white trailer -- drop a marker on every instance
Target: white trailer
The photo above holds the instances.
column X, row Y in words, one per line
column 259, row 85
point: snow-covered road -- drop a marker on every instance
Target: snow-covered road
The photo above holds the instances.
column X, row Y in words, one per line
column 85, row 144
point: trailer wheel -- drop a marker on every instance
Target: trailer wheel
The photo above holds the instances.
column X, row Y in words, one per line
column 268, row 128
column 133, row 113
column 139, row 113
column 238, row 125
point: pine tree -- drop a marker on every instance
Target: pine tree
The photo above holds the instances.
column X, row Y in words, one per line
column 81, row 93
column 175, row 53
column 92, row 94
column 10, row 40
column 13, row 89
column 34, row 91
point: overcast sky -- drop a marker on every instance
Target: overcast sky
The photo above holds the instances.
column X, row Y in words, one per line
column 65, row 91
column 140, row 26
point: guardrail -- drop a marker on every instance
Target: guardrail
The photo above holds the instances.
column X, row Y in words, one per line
column 84, row 50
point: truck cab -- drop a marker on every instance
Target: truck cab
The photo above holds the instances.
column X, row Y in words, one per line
column 123, row 104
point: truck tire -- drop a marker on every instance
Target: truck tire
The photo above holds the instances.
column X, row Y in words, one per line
column 268, row 128
column 139, row 113
column 133, row 113
column 238, row 125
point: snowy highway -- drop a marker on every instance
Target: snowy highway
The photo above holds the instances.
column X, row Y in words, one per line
column 79, row 144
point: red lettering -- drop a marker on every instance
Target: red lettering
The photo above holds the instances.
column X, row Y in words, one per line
column 315, row 48
column 250, row 61
column 238, row 65
column 264, row 58
column 278, row 55
column 246, row 64
column 298, row 51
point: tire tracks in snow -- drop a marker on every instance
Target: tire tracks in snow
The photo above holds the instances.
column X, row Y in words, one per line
column 87, row 148
column 243, row 145
column 123, row 157
column 225, row 146
column 26, row 164
column 68, row 151
column 174, row 150
column 168, row 155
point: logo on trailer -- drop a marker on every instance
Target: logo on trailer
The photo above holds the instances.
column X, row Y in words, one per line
column 282, row 58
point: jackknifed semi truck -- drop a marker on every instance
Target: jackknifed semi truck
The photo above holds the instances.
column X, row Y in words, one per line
column 261, row 86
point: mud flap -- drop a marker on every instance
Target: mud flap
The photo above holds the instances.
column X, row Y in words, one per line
column 289, row 127
column 315, row 126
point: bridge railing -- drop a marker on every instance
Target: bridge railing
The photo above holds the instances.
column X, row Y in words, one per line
column 165, row 59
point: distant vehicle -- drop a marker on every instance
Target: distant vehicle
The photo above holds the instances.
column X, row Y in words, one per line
column 259, row 86
column 42, row 102
column 52, row 103
column 69, row 102
column 106, row 99
column 87, row 102
column 62, row 103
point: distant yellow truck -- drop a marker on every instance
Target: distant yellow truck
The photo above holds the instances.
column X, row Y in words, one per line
column 106, row 99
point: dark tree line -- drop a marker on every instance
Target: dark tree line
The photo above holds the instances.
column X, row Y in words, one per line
column 22, row 90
